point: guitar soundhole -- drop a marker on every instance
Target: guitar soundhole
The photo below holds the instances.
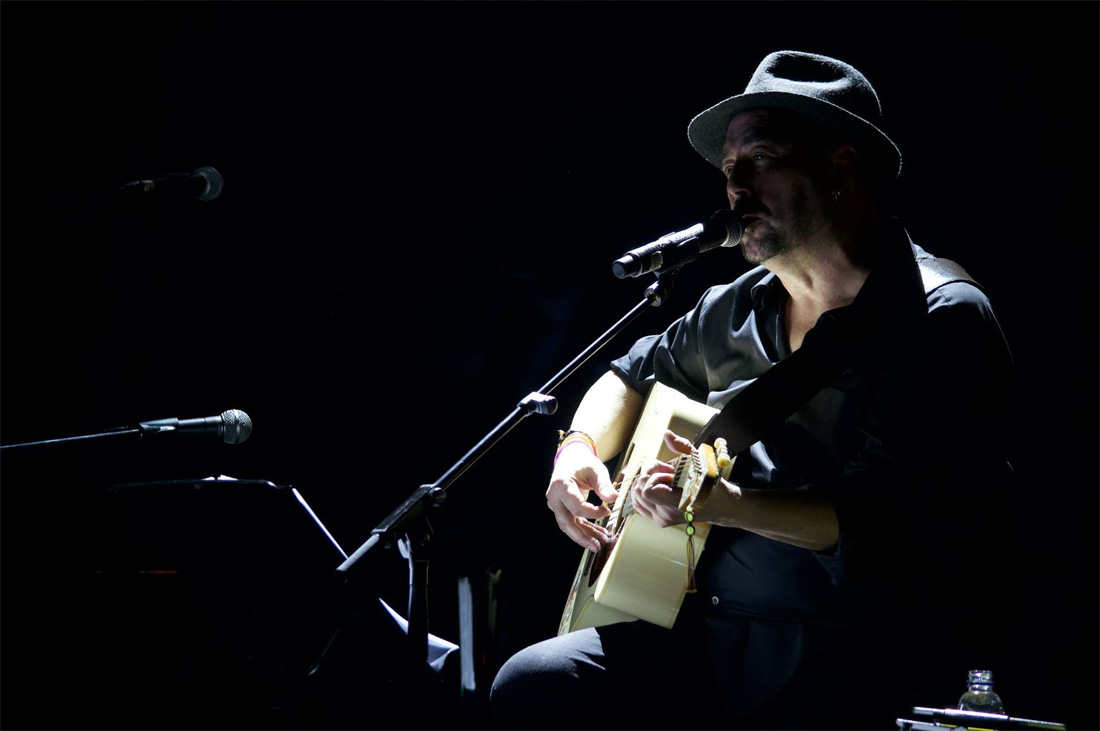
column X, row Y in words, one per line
column 597, row 562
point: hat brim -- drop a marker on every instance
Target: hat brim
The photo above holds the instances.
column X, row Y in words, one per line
column 707, row 131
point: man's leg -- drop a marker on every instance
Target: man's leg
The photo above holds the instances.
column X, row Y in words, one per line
column 631, row 675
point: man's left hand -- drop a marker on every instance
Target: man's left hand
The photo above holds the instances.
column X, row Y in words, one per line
column 653, row 494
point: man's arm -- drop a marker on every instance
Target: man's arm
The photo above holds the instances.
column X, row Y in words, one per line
column 607, row 414
column 803, row 518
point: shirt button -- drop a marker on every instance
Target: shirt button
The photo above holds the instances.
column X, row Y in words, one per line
column 714, row 600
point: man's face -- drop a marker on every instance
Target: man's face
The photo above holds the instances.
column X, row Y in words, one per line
column 776, row 182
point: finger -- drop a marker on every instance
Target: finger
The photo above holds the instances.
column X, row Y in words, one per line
column 590, row 536
column 656, row 468
column 677, row 443
column 565, row 507
column 596, row 535
column 656, row 482
column 568, row 494
column 646, row 490
column 586, row 530
column 584, row 510
column 598, row 480
column 656, row 497
column 642, row 506
column 654, row 512
column 606, row 491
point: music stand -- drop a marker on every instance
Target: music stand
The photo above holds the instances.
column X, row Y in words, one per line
column 249, row 568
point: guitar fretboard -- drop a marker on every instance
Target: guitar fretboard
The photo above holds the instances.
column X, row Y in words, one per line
column 685, row 469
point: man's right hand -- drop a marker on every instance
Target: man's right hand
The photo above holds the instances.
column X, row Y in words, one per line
column 577, row 473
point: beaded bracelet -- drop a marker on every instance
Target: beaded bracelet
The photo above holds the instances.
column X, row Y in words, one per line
column 689, row 529
column 565, row 438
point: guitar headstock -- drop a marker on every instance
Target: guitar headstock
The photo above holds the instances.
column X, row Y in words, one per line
column 697, row 472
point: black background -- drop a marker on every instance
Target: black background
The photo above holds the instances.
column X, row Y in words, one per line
column 422, row 202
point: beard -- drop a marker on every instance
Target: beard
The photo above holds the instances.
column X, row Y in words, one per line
column 763, row 243
column 765, row 240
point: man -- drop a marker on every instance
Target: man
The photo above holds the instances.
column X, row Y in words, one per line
column 835, row 584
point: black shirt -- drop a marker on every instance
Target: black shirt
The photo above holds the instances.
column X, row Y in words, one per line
column 906, row 441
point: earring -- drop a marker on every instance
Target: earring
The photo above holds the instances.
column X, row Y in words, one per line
column 836, row 197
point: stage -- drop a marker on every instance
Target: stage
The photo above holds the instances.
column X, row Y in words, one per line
column 421, row 206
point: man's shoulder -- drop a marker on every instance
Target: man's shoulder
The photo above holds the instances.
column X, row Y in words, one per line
column 937, row 272
column 955, row 299
column 945, row 281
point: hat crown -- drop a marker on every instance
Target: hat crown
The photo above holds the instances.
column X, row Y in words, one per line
column 820, row 77
column 824, row 89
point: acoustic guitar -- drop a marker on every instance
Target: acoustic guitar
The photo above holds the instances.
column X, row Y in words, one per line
column 645, row 572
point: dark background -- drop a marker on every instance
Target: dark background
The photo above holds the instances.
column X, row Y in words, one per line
column 422, row 202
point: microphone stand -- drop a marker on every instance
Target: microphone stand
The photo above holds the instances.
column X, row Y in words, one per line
column 122, row 431
column 409, row 523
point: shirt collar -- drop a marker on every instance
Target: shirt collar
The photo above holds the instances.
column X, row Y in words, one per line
column 895, row 250
column 766, row 290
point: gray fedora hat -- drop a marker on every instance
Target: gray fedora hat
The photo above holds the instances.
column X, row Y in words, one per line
column 827, row 90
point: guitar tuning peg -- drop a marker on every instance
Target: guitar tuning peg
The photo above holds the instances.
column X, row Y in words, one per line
column 722, row 456
column 721, row 450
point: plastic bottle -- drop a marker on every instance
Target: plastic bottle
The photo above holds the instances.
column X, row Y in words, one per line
column 979, row 695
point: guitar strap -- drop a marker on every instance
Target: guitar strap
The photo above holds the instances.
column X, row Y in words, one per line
column 766, row 403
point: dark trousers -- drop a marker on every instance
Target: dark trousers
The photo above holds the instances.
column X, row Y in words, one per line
column 633, row 675
column 639, row 676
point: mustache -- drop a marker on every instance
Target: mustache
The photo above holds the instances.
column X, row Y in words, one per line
column 744, row 208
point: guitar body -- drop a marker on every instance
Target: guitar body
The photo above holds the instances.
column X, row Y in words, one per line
column 647, row 570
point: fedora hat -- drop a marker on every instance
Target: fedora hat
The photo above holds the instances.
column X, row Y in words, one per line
column 824, row 89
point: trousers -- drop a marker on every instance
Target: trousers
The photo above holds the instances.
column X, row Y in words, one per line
column 636, row 675
column 631, row 675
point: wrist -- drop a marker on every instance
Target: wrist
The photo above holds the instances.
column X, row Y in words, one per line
column 719, row 508
column 572, row 440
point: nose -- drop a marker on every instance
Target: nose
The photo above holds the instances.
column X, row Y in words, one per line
column 737, row 181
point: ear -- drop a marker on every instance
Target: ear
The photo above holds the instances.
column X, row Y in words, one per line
column 845, row 163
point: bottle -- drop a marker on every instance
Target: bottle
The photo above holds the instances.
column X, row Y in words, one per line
column 979, row 695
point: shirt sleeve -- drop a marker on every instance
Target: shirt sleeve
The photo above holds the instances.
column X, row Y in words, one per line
column 703, row 352
column 923, row 487
column 673, row 357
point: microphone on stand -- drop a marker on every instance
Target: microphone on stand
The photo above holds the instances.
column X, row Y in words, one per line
column 675, row 249
column 232, row 427
column 205, row 184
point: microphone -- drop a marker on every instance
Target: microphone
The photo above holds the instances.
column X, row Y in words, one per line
column 232, row 427
column 205, row 184
column 675, row 249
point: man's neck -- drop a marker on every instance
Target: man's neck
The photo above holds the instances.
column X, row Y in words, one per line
column 822, row 275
